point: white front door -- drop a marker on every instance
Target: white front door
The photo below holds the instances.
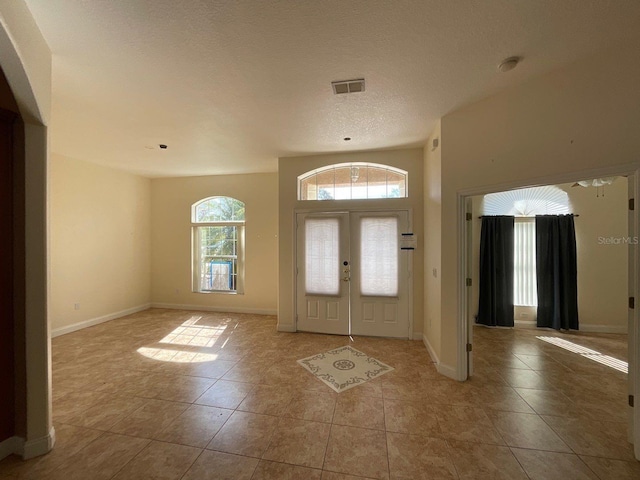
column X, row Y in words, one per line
column 322, row 299
column 352, row 274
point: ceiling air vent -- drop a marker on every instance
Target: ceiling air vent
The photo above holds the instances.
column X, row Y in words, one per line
column 348, row 86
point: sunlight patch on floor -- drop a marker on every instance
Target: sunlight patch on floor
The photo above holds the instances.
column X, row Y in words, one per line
column 194, row 335
column 176, row 356
column 585, row 352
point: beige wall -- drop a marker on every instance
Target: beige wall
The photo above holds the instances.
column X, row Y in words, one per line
column 602, row 267
column 100, row 242
column 549, row 130
column 410, row 160
column 432, row 243
column 171, row 200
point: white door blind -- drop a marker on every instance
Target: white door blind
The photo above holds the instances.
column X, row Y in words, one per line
column 379, row 256
column 322, row 256
column 525, row 292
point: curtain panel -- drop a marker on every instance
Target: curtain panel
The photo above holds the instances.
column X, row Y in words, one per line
column 496, row 271
column 557, row 272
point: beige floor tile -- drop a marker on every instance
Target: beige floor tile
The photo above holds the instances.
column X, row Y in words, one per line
column 553, row 466
column 477, row 461
column 467, row 424
column 160, row 461
column 97, row 370
column 298, row 442
column 225, row 394
column 246, row 434
column 419, row 457
column 107, row 412
column 312, row 405
column 519, row 378
column 503, row 399
column 248, row 373
column 69, row 441
column 411, row 417
column 101, row 459
column 608, row 469
column 527, row 431
column 182, row 388
column 341, row 476
column 69, row 405
column 548, row 402
column 196, row 426
column 281, row 471
column 358, row 411
column 150, row 419
column 267, row 400
column 357, row 451
column 221, row 466
column 597, row 439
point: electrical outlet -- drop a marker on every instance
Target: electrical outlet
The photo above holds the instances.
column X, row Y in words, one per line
column 76, row 306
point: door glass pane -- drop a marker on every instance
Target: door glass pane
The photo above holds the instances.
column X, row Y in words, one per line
column 379, row 256
column 322, row 256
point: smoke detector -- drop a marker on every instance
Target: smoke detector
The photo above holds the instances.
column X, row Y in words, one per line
column 348, row 86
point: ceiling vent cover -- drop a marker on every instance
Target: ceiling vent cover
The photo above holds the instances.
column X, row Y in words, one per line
column 348, row 86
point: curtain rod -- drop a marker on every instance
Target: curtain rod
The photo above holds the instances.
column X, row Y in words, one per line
column 564, row 215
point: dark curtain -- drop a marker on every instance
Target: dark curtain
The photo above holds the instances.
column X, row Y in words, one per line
column 496, row 272
column 557, row 272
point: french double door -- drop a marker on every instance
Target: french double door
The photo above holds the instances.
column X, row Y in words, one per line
column 352, row 273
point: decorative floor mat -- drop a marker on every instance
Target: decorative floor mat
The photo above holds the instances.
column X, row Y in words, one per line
column 344, row 368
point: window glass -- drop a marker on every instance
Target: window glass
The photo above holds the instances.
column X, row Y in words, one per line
column 352, row 181
column 379, row 256
column 322, row 252
column 218, row 245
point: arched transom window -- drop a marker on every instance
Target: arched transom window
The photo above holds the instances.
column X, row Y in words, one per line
column 217, row 229
column 353, row 181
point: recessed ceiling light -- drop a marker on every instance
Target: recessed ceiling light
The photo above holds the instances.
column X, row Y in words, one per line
column 509, row 64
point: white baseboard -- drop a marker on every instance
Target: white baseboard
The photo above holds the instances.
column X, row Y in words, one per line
column 442, row 369
column 525, row 323
column 430, row 350
column 447, row 371
column 417, row 336
column 10, row 446
column 95, row 321
column 583, row 328
column 39, row 446
column 603, row 328
column 208, row 308
column 287, row 328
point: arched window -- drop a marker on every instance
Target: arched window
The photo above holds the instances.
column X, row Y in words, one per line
column 353, row 181
column 217, row 230
column 525, row 204
column 528, row 202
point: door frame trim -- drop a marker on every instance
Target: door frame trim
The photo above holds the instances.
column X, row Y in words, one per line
column 294, row 272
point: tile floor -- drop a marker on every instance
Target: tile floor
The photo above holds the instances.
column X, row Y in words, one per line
column 196, row 396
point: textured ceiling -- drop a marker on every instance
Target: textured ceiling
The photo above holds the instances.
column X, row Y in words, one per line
column 231, row 85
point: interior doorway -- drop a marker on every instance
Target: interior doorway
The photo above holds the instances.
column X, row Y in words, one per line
column 352, row 273
column 627, row 240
